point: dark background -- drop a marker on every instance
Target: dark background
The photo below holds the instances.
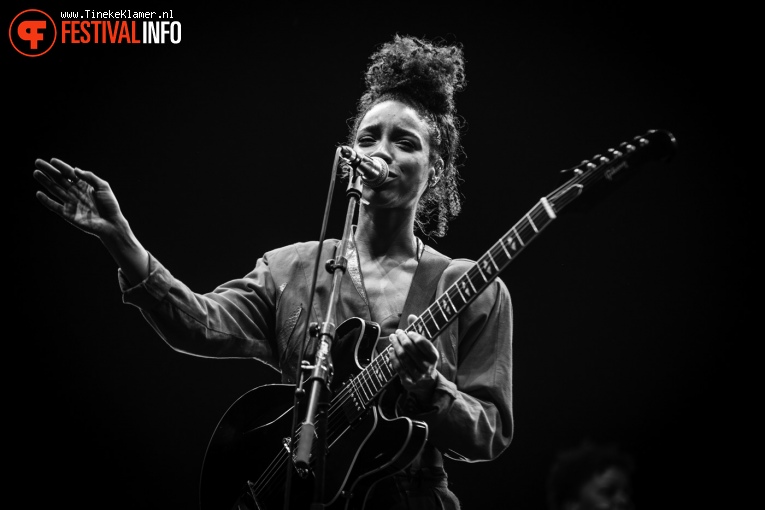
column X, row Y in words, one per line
column 628, row 315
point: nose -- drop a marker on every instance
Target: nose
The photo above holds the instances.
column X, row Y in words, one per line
column 381, row 150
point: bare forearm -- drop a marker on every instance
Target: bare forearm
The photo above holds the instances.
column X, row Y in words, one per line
column 127, row 252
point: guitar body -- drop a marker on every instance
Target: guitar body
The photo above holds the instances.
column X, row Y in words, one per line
column 245, row 466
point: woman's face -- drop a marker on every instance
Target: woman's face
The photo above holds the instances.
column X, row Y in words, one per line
column 397, row 134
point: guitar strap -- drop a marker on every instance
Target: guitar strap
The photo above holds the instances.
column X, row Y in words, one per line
column 422, row 292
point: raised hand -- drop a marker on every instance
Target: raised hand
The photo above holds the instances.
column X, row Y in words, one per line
column 81, row 198
column 87, row 202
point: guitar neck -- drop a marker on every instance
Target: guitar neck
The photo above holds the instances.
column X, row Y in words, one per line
column 654, row 144
column 459, row 295
column 464, row 290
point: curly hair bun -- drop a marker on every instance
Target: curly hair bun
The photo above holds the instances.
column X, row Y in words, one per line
column 427, row 72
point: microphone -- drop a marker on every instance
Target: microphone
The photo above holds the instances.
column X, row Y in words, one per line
column 374, row 171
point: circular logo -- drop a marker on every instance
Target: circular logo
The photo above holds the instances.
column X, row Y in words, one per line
column 32, row 33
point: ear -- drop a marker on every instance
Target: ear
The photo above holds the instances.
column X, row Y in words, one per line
column 435, row 172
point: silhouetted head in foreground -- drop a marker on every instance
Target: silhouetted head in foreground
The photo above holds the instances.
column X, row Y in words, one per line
column 591, row 477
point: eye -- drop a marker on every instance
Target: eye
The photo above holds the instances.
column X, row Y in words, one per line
column 406, row 144
column 365, row 141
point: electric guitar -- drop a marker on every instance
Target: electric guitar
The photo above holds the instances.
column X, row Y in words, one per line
column 246, row 462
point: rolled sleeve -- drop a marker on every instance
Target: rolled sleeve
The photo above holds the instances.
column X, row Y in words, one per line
column 151, row 291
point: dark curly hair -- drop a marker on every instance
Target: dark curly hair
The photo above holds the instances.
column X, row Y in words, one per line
column 424, row 75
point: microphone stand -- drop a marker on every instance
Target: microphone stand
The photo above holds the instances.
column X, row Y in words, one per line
column 314, row 424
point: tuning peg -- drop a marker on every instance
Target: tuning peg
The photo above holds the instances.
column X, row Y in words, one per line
column 616, row 153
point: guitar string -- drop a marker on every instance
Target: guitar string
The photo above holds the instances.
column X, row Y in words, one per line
column 262, row 485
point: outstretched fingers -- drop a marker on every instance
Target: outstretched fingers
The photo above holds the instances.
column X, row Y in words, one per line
column 50, row 204
column 65, row 169
column 69, row 189
column 52, row 182
column 60, row 180
column 56, row 171
column 57, row 177
column 65, row 176
column 49, row 176
column 90, row 178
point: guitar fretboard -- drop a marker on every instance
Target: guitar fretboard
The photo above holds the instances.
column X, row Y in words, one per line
column 445, row 309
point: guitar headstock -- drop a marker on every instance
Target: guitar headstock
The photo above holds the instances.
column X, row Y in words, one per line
column 596, row 176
